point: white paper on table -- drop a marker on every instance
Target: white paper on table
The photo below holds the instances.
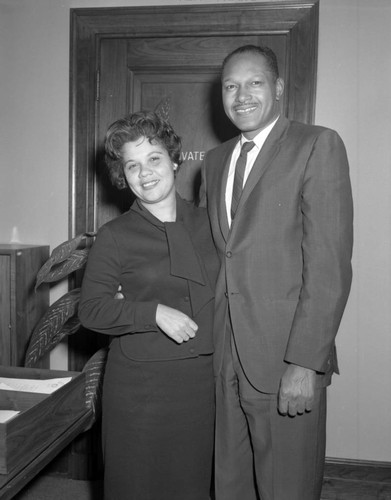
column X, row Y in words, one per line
column 43, row 386
column 6, row 415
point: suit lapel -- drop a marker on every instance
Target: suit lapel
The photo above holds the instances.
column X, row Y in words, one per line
column 221, row 180
column 264, row 159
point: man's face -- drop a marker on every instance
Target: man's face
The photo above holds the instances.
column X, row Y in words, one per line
column 250, row 93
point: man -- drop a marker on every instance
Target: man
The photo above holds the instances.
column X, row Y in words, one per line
column 285, row 278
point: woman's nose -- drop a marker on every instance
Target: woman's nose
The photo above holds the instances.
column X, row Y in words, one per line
column 144, row 170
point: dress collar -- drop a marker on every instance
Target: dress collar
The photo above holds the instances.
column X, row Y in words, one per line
column 184, row 260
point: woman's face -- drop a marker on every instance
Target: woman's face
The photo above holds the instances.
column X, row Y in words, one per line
column 149, row 171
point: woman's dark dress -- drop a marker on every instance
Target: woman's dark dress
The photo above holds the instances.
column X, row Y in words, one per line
column 158, row 396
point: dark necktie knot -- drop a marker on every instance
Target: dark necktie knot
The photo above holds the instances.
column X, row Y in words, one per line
column 239, row 176
column 246, row 147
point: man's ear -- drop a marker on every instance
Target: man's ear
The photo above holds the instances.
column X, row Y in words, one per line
column 279, row 88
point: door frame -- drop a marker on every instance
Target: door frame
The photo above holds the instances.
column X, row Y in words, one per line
column 298, row 20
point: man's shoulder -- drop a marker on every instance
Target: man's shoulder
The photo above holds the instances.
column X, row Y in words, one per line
column 301, row 135
column 296, row 127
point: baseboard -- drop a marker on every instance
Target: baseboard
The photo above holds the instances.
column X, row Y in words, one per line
column 357, row 463
column 359, row 470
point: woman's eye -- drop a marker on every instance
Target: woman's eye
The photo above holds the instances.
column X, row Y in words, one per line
column 130, row 166
column 155, row 159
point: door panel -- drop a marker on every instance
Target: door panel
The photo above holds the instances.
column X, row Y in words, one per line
column 183, row 99
column 197, row 51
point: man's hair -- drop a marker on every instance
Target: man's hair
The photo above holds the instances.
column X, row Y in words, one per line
column 266, row 52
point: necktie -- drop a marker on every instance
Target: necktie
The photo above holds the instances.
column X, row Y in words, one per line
column 239, row 174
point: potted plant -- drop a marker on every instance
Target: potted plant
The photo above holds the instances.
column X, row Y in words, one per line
column 61, row 318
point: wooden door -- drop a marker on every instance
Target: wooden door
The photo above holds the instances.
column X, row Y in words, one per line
column 127, row 59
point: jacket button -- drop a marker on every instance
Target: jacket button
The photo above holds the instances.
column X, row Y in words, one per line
column 186, row 299
column 226, row 295
column 191, row 351
column 229, row 254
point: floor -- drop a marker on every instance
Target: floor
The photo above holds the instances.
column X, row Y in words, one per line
column 341, row 482
column 48, row 487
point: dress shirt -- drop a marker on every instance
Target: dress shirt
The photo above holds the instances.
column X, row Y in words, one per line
column 258, row 140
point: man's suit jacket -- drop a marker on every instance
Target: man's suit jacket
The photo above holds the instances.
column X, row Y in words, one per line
column 286, row 260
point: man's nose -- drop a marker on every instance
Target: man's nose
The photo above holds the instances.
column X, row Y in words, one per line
column 242, row 94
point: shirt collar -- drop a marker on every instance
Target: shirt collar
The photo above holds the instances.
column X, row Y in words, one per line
column 261, row 137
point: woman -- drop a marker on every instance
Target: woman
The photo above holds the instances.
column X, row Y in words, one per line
column 158, row 394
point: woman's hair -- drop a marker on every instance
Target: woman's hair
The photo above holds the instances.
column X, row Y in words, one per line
column 131, row 128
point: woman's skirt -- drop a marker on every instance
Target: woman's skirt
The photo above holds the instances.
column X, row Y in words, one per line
column 158, row 425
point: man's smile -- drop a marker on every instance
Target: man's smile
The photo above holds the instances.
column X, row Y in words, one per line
column 247, row 109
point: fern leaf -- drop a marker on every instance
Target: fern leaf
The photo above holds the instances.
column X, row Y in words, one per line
column 70, row 327
column 74, row 262
column 67, row 252
column 65, row 249
column 94, row 370
column 58, row 321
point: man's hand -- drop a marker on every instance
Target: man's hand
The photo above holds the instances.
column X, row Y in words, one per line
column 175, row 324
column 297, row 389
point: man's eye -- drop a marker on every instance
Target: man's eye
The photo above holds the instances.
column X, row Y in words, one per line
column 230, row 86
column 257, row 83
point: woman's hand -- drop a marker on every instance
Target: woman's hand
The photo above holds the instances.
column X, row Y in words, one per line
column 119, row 295
column 175, row 324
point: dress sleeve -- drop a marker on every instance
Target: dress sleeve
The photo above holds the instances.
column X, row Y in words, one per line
column 99, row 310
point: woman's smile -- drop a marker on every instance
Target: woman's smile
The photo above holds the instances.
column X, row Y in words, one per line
column 149, row 184
column 149, row 172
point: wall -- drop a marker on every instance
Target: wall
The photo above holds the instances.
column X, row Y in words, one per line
column 354, row 78
column 352, row 97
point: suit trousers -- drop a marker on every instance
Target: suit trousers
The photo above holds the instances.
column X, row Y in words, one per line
column 261, row 454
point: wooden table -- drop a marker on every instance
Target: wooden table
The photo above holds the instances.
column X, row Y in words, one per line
column 12, row 483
